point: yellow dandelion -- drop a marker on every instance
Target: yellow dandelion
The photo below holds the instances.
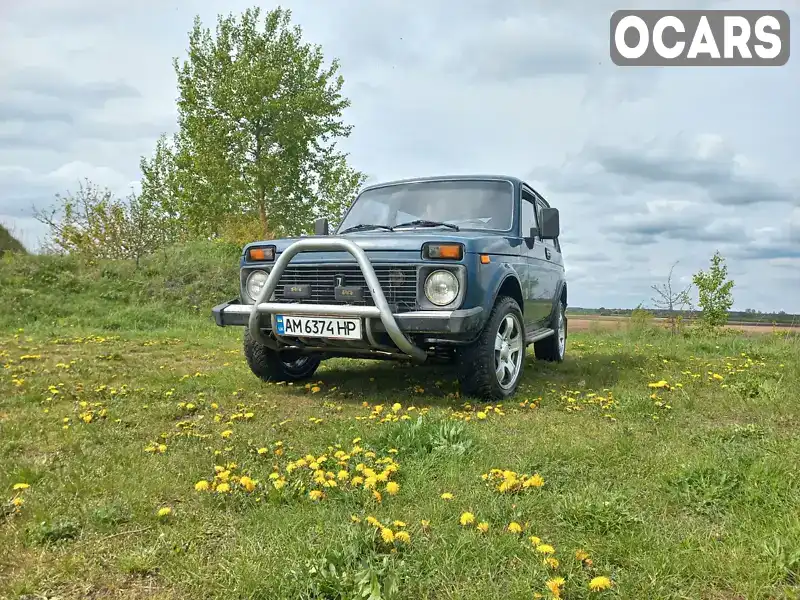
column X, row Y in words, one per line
column 535, row 541
column 481, row 415
column 514, row 527
column 262, row 451
column 201, row 485
column 227, row 433
column 164, row 511
column 600, row 583
column 373, row 521
column 377, row 495
column 545, row 549
column 397, row 407
column 554, row 585
column 20, row 486
column 223, row 488
column 483, row 526
column 581, row 554
column 402, row 536
column 551, row 561
column 399, row 524
column 355, row 518
column 387, row 535
column 342, row 475
column 18, row 501
column 392, row 488
column 467, row 518
column 447, row 496
column 316, row 495
column 247, row 483
column 425, row 523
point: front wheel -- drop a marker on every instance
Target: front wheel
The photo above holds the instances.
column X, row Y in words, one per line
column 492, row 366
column 270, row 365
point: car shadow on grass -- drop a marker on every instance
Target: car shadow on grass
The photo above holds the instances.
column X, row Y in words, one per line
column 378, row 381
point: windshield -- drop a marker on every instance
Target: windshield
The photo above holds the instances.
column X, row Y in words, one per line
column 470, row 204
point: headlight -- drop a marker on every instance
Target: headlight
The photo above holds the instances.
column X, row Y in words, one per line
column 441, row 287
column 255, row 281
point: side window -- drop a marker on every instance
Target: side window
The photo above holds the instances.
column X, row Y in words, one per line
column 549, row 243
column 528, row 219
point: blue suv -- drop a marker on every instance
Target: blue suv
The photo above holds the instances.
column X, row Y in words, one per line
column 465, row 269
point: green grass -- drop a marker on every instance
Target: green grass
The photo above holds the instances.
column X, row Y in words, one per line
column 691, row 494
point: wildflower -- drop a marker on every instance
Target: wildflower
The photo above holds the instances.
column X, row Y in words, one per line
column 315, row 389
column 600, row 583
column 551, row 561
column 481, row 415
column 227, row 433
column 342, row 475
column 262, row 451
column 387, row 535
column 223, row 488
column 535, row 541
column 18, row 501
column 377, row 495
column 545, row 549
column 554, row 585
column 397, row 407
column 483, row 527
column 165, row 511
column 373, row 521
column 247, row 483
column 201, row 485
column 581, row 555
column 514, row 527
column 425, row 523
column 316, row 495
column 355, row 518
column 20, row 486
column 447, row 496
column 467, row 518
column 392, row 488
column 399, row 524
column 402, row 536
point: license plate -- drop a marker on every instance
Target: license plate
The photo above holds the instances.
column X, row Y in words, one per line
column 324, row 327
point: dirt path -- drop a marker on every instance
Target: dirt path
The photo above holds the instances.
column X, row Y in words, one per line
column 587, row 323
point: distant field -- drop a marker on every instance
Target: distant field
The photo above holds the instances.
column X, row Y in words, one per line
column 587, row 322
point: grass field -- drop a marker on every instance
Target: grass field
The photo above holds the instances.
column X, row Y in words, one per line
column 666, row 464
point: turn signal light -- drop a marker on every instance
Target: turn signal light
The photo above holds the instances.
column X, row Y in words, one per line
column 443, row 251
column 260, row 254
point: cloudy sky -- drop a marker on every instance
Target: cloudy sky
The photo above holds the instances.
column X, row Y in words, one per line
column 647, row 166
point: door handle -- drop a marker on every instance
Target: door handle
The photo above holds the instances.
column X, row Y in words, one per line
column 547, row 253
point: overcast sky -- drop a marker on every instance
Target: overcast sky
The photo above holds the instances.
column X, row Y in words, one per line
column 647, row 166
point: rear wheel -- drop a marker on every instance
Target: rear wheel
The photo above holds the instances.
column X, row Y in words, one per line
column 492, row 366
column 554, row 347
column 270, row 365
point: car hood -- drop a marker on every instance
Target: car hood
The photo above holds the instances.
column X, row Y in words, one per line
column 405, row 245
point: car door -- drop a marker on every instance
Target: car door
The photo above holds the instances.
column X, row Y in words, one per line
column 532, row 280
column 552, row 265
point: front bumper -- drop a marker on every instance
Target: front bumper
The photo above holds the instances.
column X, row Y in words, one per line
column 444, row 322
column 386, row 333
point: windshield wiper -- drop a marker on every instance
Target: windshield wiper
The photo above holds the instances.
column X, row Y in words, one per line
column 427, row 223
column 365, row 227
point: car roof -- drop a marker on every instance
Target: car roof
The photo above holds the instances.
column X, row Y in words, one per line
column 461, row 177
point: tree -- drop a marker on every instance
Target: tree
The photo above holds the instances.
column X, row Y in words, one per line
column 670, row 300
column 96, row 224
column 714, row 291
column 259, row 116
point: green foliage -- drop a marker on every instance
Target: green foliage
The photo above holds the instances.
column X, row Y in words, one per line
column 95, row 224
column 8, row 243
column 641, row 319
column 714, row 290
column 258, row 119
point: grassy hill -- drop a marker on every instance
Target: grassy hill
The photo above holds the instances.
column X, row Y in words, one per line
column 8, row 243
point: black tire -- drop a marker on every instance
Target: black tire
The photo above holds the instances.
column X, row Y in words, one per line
column 477, row 366
column 269, row 365
column 550, row 348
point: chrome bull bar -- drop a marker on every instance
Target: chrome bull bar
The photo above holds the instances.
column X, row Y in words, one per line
column 381, row 310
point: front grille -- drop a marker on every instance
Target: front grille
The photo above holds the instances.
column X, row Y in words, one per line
column 399, row 284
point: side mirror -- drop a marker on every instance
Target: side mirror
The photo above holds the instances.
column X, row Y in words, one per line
column 549, row 225
column 321, row 226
